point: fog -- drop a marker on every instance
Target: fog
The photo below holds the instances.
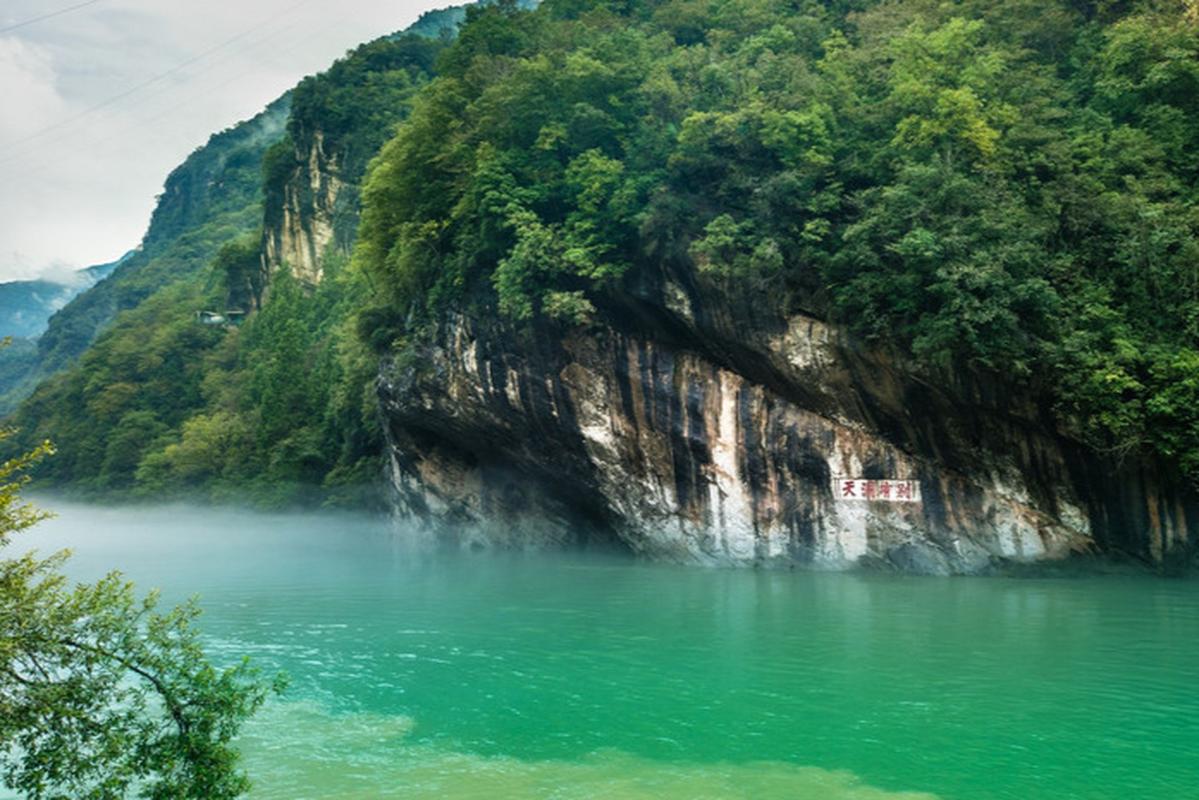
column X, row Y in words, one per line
column 186, row 549
column 579, row 674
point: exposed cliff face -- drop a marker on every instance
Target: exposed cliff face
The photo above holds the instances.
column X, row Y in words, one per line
column 312, row 213
column 340, row 118
column 688, row 429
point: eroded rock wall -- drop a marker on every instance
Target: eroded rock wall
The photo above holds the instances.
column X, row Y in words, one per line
column 308, row 222
column 696, row 432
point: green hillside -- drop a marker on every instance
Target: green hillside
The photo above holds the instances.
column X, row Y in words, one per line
column 1005, row 187
column 162, row 405
column 1009, row 188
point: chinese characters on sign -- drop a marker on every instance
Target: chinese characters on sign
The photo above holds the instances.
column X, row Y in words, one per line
column 881, row 490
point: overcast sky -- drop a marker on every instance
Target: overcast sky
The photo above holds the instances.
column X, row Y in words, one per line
column 98, row 103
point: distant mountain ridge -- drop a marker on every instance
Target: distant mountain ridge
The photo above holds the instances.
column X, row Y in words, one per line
column 26, row 306
column 214, row 196
column 687, row 280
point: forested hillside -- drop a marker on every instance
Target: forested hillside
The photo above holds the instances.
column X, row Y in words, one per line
column 1008, row 188
column 213, row 196
column 162, row 405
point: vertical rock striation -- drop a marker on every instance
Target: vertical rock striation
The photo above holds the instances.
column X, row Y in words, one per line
column 308, row 220
column 686, row 429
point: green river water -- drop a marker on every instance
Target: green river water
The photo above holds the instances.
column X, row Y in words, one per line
column 495, row 676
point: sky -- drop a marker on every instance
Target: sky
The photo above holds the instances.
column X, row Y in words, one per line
column 101, row 99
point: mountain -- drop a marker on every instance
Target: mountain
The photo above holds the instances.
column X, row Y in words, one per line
column 906, row 286
column 711, row 281
column 214, row 195
column 26, row 306
column 261, row 220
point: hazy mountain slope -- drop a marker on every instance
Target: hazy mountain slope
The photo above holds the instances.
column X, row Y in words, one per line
column 211, row 199
column 213, row 196
column 161, row 404
column 26, row 306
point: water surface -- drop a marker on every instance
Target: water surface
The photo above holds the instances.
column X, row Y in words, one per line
column 585, row 677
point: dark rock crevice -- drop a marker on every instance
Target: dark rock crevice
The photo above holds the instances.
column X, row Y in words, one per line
column 685, row 427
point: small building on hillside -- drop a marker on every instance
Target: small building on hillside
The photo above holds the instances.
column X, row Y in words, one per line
column 232, row 317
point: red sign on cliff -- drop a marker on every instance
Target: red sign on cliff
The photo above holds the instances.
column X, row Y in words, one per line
column 884, row 490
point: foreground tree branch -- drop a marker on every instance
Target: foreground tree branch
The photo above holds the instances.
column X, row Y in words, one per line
column 102, row 695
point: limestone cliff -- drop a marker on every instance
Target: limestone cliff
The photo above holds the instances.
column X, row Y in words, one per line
column 686, row 427
column 312, row 214
column 340, row 118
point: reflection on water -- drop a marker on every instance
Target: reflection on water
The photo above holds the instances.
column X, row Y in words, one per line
column 587, row 677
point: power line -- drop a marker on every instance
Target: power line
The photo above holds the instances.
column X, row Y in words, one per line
column 341, row 22
column 51, row 15
column 144, row 122
column 63, row 129
column 148, row 82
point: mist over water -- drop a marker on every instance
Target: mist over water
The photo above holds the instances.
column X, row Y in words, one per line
column 495, row 675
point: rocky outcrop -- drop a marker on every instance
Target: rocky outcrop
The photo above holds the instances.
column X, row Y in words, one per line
column 313, row 215
column 686, row 428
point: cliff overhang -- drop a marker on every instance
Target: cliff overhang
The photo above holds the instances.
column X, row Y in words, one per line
column 688, row 426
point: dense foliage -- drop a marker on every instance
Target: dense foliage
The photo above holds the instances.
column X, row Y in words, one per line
column 102, row 694
column 213, row 196
column 1009, row 187
column 17, row 360
column 162, row 405
column 275, row 411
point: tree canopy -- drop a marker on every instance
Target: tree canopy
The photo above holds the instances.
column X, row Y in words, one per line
column 102, row 693
column 1008, row 187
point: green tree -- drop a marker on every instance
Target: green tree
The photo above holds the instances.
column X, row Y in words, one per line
column 102, row 693
column 997, row 187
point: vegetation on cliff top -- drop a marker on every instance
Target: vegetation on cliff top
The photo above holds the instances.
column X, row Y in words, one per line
column 278, row 410
column 1008, row 186
column 1011, row 187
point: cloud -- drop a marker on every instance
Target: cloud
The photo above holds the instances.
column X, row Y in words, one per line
column 82, row 192
column 28, row 86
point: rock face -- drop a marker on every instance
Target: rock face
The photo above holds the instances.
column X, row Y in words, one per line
column 313, row 215
column 686, row 428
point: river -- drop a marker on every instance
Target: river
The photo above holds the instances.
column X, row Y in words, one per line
column 493, row 676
